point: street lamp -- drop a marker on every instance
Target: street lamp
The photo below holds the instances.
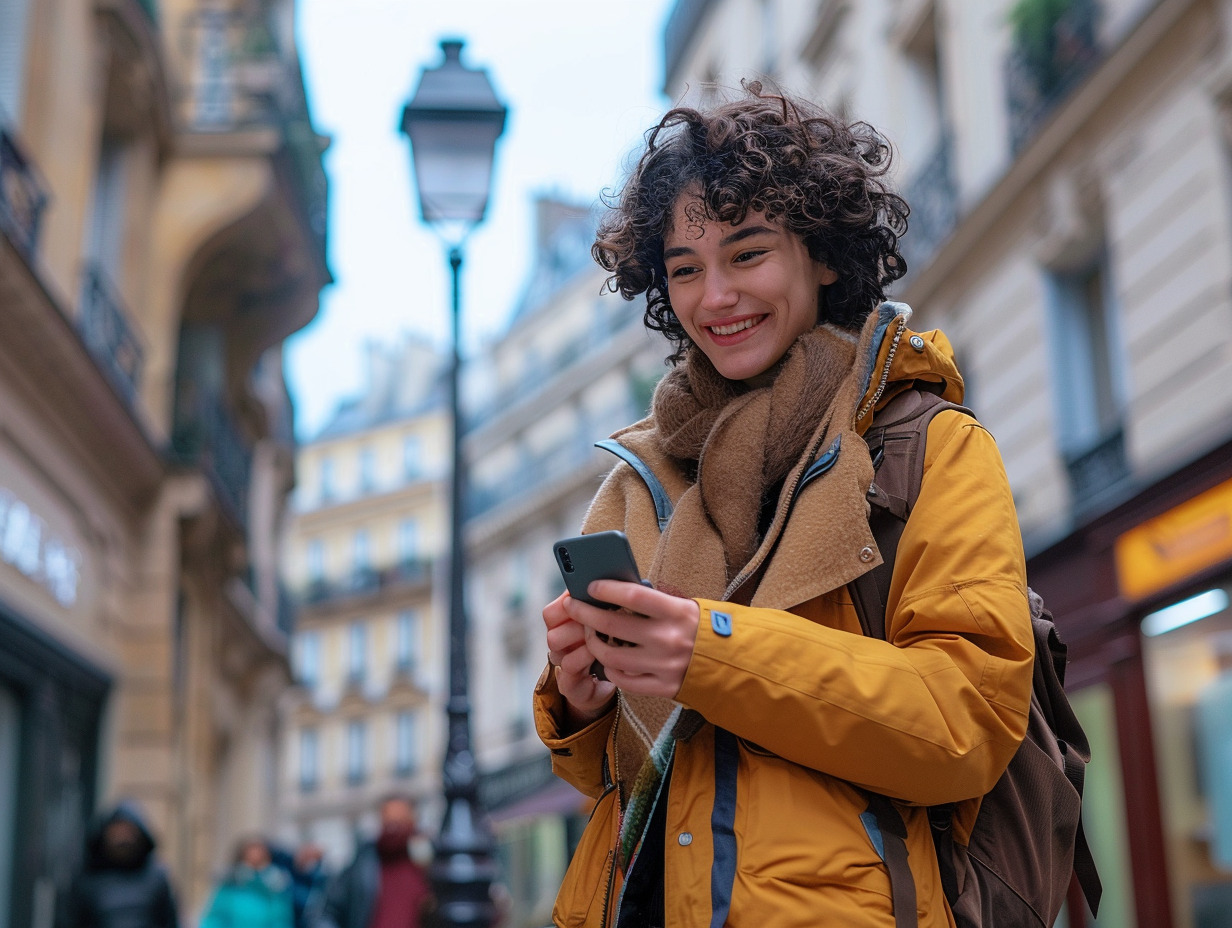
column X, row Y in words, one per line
column 453, row 122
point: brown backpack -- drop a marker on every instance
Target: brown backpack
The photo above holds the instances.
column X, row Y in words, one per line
column 1028, row 837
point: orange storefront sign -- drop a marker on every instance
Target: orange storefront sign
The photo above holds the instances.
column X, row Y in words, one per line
column 1184, row 540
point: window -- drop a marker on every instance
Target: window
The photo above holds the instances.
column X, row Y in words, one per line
column 308, row 658
column 357, row 653
column 931, row 187
column 412, row 457
column 408, row 541
column 105, row 242
column 13, row 40
column 329, row 488
column 361, row 553
column 316, row 561
column 1090, row 390
column 367, row 470
column 356, row 752
column 406, row 640
column 309, row 759
column 406, row 737
column 1187, row 660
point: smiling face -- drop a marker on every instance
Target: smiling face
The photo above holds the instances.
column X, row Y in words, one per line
column 744, row 292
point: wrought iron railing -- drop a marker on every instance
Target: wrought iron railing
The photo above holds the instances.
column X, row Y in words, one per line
column 205, row 434
column 369, row 580
column 242, row 79
column 1049, row 57
column 538, row 377
column 535, row 473
column 105, row 328
column 1098, row 469
column 22, row 197
column 515, row 781
column 933, row 197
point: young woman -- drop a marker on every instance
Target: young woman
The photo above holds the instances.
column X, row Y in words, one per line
column 745, row 724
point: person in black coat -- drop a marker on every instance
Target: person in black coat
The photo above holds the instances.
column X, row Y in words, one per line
column 122, row 884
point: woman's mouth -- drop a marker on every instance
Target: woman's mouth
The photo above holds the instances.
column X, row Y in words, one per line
column 734, row 327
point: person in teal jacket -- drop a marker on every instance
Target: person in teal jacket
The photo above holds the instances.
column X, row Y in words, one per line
column 253, row 894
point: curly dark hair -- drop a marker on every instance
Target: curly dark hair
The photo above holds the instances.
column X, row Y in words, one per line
column 824, row 179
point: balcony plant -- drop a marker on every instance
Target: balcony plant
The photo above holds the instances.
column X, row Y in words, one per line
column 1052, row 39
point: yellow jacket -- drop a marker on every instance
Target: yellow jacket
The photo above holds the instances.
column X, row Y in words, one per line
column 764, row 810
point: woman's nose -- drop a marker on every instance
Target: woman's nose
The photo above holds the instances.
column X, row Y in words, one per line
column 718, row 292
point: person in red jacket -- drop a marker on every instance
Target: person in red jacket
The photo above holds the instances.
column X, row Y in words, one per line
column 384, row 886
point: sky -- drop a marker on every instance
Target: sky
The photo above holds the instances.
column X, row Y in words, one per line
column 582, row 80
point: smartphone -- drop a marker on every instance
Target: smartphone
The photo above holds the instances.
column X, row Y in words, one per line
column 601, row 556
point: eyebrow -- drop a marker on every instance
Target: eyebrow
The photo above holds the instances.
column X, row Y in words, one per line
column 737, row 236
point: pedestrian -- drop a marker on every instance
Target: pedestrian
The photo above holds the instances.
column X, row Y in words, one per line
column 384, row 886
column 254, row 893
column 742, row 728
column 122, row 884
column 308, row 880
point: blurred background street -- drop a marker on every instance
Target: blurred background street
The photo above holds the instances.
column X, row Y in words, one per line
column 227, row 596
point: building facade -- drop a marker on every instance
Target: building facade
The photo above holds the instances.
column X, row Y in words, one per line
column 1067, row 165
column 368, row 537
column 574, row 365
column 162, row 209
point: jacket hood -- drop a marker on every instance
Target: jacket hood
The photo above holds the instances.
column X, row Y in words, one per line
column 899, row 357
column 124, row 811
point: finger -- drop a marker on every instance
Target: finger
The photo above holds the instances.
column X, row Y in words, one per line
column 566, row 637
column 554, row 613
column 619, row 629
column 634, row 597
column 577, row 661
column 642, row 683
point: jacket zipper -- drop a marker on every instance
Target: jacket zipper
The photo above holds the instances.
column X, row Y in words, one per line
column 611, row 880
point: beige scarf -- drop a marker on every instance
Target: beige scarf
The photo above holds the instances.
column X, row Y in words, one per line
column 741, row 444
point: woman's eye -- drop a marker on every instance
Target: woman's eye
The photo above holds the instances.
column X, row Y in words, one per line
column 750, row 255
column 683, row 270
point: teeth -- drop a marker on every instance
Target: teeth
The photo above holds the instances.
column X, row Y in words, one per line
column 734, row 328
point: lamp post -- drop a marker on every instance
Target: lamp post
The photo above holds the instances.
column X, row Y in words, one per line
column 453, row 121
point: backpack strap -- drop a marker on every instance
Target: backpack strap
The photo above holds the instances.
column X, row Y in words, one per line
column 896, row 443
column 893, row 834
column 662, row 502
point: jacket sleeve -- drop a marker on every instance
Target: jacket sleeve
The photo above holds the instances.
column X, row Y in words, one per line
column 329, row 909
column 578, row 757
column 934, row 713
column 168, row 916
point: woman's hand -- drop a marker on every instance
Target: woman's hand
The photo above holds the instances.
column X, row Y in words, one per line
column 649, row 644
column 586, row 696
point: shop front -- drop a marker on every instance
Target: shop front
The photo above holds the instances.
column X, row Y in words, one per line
column 53, row 691
column 51, row 708
column 1143, row 596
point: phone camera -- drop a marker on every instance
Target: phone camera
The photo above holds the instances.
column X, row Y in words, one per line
column 565, row 561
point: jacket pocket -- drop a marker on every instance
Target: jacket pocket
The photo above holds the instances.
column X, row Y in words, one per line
column 583, row 897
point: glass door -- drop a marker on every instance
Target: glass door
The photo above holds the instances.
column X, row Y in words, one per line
column 10, row 730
